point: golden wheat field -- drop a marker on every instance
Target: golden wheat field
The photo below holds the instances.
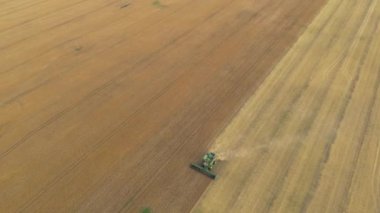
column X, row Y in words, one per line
column 308, row 140
column 105, row 103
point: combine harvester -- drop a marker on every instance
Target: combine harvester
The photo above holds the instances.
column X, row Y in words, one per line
column 205, row 167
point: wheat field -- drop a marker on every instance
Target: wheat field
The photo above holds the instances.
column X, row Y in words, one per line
column 309, row 139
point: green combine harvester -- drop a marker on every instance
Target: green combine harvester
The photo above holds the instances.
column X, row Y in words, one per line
column 205, row 167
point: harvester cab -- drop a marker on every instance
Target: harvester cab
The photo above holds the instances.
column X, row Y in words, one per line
column 205, row 167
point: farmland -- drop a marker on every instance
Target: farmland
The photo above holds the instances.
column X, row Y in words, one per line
column 308, row 139
column 105, row 103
